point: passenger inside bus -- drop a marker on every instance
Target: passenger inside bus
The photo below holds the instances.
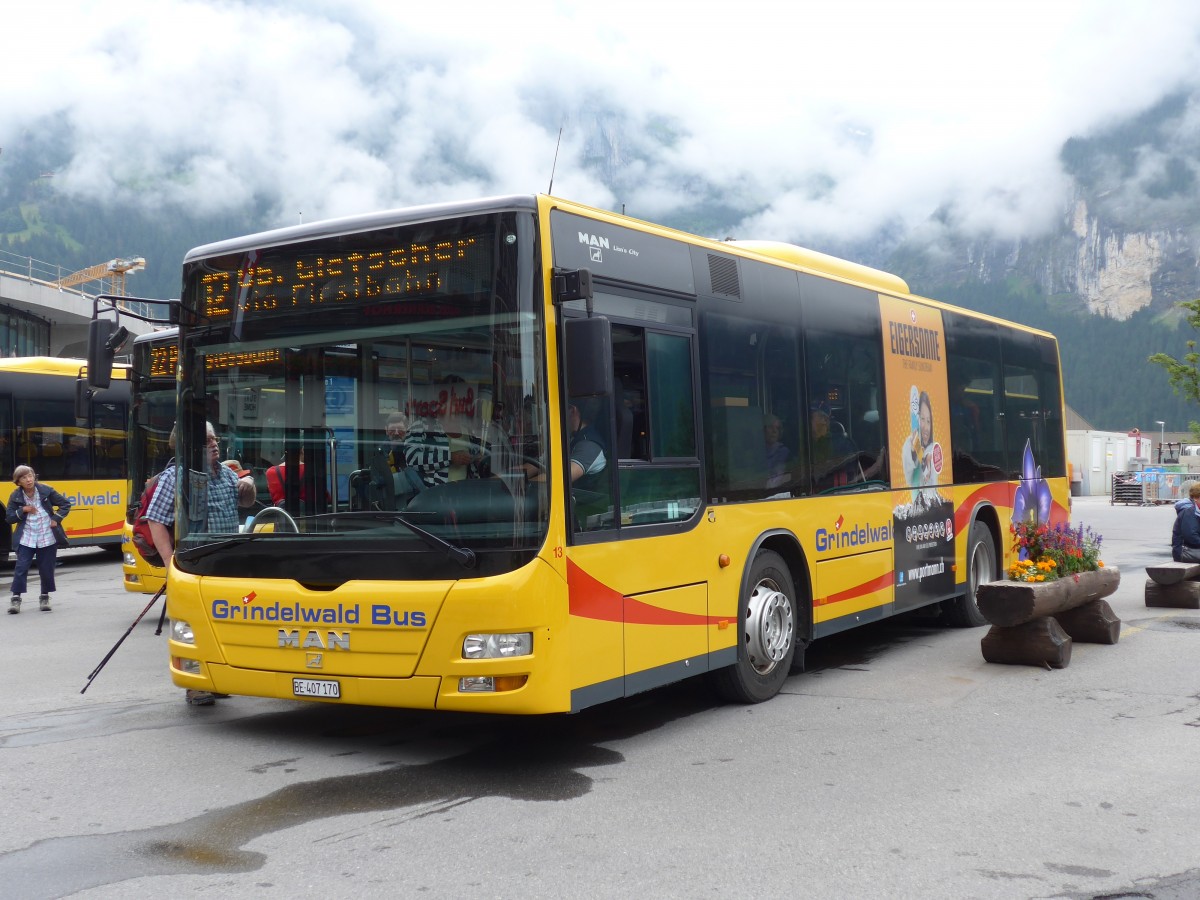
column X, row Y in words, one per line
column 587, row 447
column 405, row 481
column 836, row 461
column 776, row 453
column 427, row 452
column 277, row 483
column 466, row 451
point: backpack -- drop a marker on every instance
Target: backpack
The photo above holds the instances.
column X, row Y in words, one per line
column 143, row 540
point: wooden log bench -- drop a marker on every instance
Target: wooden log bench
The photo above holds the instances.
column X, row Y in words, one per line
column 1174, row 584
column 1036, row 624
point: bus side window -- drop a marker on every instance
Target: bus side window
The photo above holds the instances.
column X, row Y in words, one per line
column 629, row 392
column 976, row 399
column 845, row 436
column 663, row 485
column 648, row 433
column 1031, row 405
column 753, row 417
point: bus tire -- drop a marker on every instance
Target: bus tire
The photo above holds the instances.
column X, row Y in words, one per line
column 963, row 611
column 767, row 628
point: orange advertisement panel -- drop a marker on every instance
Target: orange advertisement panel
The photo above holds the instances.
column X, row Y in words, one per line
column 914, row 359
column 918, row 416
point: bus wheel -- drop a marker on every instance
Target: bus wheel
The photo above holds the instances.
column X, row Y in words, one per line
column 963, row 612
column 767, row 628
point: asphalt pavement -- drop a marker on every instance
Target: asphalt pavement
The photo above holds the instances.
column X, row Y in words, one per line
column 901, row 764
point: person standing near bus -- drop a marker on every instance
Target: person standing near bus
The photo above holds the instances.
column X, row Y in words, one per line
column 37, row 510
column 1185, row 534
column 221, row 517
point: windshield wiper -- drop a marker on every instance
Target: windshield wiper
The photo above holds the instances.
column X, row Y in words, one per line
column 205, row 549
column 464, row 556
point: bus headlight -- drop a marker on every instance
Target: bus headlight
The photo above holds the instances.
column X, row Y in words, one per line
column 497, row 646
column 182, row 631
column 130, row 559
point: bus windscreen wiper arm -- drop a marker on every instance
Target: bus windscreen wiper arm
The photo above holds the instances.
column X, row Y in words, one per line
column 464, row 556
column 193, row 553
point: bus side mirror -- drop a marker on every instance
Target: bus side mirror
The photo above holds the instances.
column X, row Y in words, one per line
column 105, row 341
column 589, row 357
column 83, row 398
column 99, row 360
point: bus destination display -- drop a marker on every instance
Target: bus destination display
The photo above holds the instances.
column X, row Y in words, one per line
column 267, row 285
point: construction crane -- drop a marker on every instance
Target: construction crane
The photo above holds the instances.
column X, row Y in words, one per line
column 114, row 269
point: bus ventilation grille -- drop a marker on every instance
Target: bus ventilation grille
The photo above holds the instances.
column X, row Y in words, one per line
column 722, row 270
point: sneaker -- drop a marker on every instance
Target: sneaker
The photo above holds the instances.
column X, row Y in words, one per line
column 199, row 698
column 14, row 606
column 44, row 603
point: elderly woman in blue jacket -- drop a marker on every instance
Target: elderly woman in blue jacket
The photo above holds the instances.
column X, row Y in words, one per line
column 37, row 510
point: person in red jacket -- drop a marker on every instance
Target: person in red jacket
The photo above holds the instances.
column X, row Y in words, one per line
column 277, row 478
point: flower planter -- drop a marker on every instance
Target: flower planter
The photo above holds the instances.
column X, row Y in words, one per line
column 1013, row 602
column 1035, row 623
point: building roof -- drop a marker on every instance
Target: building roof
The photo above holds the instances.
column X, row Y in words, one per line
column 1076, row 422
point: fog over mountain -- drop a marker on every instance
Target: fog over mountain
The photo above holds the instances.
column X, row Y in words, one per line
column 839, row 122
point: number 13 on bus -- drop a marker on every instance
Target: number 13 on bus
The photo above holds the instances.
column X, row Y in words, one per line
column 572, row 456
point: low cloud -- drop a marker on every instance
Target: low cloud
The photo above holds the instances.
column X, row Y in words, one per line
column 831, row 125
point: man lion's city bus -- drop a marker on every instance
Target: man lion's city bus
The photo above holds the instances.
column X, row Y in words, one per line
column 541, row 456
column 84, row 458
column 152, row 416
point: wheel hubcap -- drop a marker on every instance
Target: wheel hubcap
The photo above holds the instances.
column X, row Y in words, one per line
column 769, row 627
column 981, row 567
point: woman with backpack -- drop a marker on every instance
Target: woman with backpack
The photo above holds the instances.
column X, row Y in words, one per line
column 37, row 510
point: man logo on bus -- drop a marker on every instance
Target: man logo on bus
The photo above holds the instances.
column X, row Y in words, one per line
column 596, row 245
column 593, row 240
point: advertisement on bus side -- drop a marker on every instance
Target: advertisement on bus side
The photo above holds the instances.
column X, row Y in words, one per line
column 914, row 351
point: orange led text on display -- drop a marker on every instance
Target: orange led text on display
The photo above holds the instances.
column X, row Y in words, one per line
column 280, row 286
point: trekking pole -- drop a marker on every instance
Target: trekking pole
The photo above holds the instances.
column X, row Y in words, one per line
column 162, row 616
column 129, row 631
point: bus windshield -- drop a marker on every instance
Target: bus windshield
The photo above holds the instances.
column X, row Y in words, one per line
column 384, row 391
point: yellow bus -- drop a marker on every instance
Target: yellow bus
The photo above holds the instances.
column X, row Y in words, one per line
column 84, row 458
column 152, row 416
column 538, row 456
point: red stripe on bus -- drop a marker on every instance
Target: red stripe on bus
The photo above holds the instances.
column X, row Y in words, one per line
column 112, row 528
column 999, row 495
column 886, row 580
column 592, row 599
